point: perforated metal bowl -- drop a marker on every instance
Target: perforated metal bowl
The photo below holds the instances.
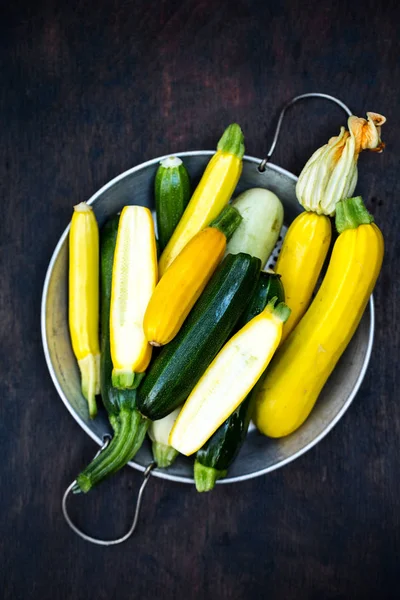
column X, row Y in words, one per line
column 259, row 454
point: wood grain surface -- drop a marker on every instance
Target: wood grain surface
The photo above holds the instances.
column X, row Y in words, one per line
column 89, row 89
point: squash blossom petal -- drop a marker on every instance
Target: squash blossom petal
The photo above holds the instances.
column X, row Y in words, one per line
column 330, row 175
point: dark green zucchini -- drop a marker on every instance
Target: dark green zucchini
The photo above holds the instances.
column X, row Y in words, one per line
column 128, row 424
column 172, row 194
column 218, row 453
column 183, row 361
column 269, row 286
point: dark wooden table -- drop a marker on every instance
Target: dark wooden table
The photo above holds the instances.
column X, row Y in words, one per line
column 89, row 89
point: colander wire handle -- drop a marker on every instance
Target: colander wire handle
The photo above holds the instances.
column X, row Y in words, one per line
column 263, row 163
column 127, row 535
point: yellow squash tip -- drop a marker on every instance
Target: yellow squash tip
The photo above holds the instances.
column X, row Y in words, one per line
column 82, row 207
column 90, row 377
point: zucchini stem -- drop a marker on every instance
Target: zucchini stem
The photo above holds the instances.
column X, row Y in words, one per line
column 114, row 421
column 232, row 141
column 351, row 213
column 280, row 310
column 205, row 477
column 227, row 221
column 126, row 380
column 163, row 455
column 126, row 442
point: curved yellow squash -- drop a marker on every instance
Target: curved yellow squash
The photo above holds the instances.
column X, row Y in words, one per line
column 181, row 285
column 83, row 301
column 211, row 195
column 286, row 396
column 300, row 262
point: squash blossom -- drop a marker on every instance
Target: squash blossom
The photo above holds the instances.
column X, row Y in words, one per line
column 330, row 175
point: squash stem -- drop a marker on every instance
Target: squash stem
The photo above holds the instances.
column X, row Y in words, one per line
column 227, row 221
column 232, row 141
column 205, row 477
column 126, row 380
column 280, row 310
column 126, row 442
column 114, row 421
column 351, row 213
column 163, row 455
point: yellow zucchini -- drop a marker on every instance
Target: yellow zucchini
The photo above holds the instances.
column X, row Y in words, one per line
column 83, row 305
column 286, row 396
column 300, row 262
column 328, row 176
column 181, row 285
column 211, row 195
column 134, row 278
column 228, row 379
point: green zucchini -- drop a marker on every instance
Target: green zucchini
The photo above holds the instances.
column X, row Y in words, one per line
column 128, row 424
column 172, row 194
column 257, row 234
column 269, row 286
column 219, row 452
column 182, row 362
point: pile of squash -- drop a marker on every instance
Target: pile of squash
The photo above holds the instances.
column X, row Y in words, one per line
column 195, row 339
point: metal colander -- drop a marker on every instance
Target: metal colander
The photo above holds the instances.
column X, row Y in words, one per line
column 259, row 454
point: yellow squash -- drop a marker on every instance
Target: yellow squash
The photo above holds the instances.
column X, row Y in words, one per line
column 211, row 195
column 134, row 278
column 330, row 175
column 300, row 262
column 228, row 380
column 83, row 304
column 286, row 396
column 183, row 282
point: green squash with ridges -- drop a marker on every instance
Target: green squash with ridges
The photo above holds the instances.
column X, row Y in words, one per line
column 172, row 194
